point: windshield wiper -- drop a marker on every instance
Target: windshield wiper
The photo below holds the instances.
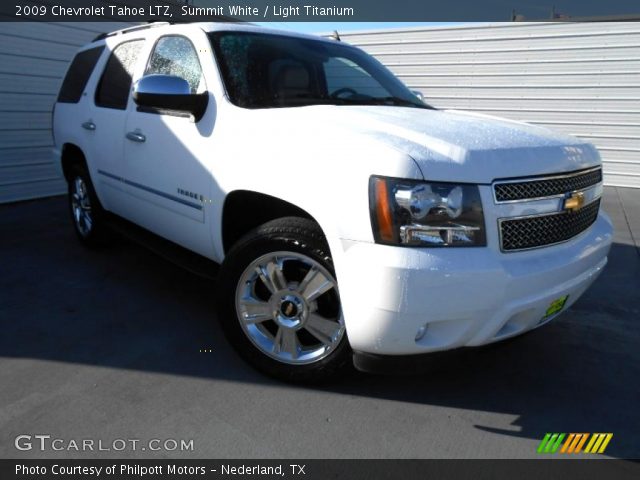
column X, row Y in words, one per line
column 304, row 100
column 397, row 101
column 391, row 101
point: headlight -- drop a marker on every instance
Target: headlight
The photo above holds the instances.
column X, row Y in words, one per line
column 426, row 214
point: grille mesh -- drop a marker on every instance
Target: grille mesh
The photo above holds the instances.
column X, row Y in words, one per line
column 523, row 190
column 522, row 233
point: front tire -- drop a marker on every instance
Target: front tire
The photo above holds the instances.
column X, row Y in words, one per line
column 279, row 302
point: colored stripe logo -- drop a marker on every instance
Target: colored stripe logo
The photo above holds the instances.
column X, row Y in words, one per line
column 574, row 442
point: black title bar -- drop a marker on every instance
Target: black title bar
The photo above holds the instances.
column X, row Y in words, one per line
column 319, row 469
column 319, row 10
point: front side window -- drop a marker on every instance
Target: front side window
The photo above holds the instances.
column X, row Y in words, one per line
column 175, row 55
column 78, row 75
column 115, row 83
column 267, row 71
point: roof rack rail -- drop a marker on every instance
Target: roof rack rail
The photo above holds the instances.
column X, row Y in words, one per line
column 130, row 29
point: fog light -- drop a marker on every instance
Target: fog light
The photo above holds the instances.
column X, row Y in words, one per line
column 421, row 332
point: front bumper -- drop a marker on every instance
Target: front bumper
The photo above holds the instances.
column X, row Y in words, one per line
column 463, row 296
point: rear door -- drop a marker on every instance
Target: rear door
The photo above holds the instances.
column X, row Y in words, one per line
column 105, row 122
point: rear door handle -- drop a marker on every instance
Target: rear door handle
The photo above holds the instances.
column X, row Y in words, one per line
column 89, row 125
column 136, row 137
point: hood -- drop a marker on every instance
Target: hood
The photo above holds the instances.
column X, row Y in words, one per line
column 453, row 145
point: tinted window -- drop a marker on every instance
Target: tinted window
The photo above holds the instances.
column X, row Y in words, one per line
column 343, row 74
column 115, row 84
column 175, row 55
column 266, row 71
column 78, row 75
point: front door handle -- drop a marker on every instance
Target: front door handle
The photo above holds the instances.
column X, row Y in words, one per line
column 89, row 125
column 136, row 137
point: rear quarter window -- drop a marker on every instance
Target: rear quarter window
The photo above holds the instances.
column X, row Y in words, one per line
column 78, row 75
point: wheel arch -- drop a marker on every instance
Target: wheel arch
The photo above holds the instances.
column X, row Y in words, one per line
column 71, row 155
column 244, row 210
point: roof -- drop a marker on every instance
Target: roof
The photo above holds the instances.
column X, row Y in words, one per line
column 211, row 27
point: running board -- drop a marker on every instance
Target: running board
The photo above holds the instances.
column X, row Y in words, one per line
column 186, row 259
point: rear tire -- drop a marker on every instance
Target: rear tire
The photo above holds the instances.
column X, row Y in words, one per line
column 279, row 304
column 87, row 215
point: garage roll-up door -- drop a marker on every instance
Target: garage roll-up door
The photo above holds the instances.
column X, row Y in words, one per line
column 33, row 59
column 578, row 78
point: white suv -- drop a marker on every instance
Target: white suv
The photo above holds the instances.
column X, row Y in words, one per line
column 352, row 220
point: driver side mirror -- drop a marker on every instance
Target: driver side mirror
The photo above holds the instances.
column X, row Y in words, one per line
column 171, row 93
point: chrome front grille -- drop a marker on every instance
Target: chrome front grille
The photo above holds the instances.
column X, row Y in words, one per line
column 545, row 187
column 541, row 230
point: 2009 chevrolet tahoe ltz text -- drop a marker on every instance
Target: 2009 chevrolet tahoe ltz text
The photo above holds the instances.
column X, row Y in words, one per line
column 353, row 221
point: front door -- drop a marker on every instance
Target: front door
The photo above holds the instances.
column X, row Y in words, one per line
column 166, row 155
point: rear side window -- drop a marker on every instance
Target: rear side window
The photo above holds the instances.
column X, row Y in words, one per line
column 115, row 83
column 78, row 75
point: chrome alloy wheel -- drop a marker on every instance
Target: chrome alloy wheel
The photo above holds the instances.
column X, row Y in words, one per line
column 81, row 206
column 288, row 305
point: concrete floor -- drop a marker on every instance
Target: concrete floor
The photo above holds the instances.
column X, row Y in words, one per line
column 107, row 345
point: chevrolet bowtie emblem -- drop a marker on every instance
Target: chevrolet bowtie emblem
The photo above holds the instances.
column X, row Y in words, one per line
column 574, row 202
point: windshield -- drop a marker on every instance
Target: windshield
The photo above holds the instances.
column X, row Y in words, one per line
column 269, row 71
